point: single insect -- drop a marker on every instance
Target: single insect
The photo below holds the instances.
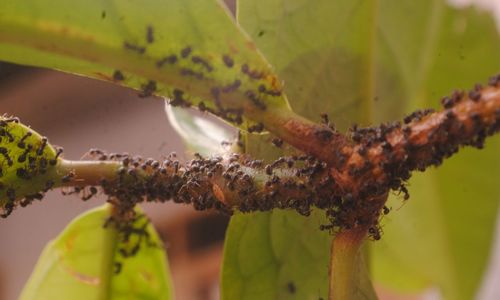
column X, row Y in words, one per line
column 150, row 34
column 186, row 51
column 228, row 61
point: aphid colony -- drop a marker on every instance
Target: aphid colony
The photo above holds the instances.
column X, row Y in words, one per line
column 351, row 186
column 197, row 67
column 24, row 157
column 375, row 160
column 229, row 183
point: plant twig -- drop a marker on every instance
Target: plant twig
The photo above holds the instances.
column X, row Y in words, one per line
column 344, row 253
column 347, row 179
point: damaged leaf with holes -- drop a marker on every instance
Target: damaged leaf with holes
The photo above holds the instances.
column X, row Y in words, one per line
column 189, row 51
column 27, row 165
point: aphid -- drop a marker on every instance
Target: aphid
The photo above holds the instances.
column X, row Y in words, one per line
column 176, row 167
column 404, row 190
column 147, row 89
column 95, row 151
column 58, row 153
column 48, row 185
column 198, row 60
column 8, row 208
column 134, row 47
column 324, row 135
column 177, row 99
column 269, row 169
column 255, row 99
column 277, row 142
column 231, row 87
column 189, row 72
column 21, row 143
column 253, row 74
column 447, row 102
column 375, row 233
column 325, row 119
column 92, row 192
column 171, row 59
column 259, row 127
column 118, row 267
column 118, row 75
column 263, row 89
column 256, row 163
column 291, row 287
column 475, row 95
column 22, row 157
column 150, row 34
column 4, row 132
column 386, row 146
column 5, row 154
column 163, row 171
column 186, row 51
column 67, row 177
column 9, row 120
column 325, row 227
column 228, row 61
column 494, row 80
column 11, row 194
column 22, row 173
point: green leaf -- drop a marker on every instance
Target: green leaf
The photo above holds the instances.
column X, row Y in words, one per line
column 80, row 264
column 323, row 51
column 424, row 50
column 262, row 261
column 27, row 164
column 189, row 51
column 200, row 134
column 326, row 69
column 443, row 235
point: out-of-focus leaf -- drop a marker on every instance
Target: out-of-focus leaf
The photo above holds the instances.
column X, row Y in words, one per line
column 443, row 235
column 192, row 50
column 201, row 135
column 323, row 51
column 326, row 69
column 80, row 264
column 424, row 49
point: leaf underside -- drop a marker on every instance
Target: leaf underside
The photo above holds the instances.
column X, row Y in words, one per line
column 189, row 51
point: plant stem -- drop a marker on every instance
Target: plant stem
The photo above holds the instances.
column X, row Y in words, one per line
column 108, row 263
column 345, row 257
column 88, row 172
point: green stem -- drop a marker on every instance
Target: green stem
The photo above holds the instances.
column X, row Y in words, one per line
column 344, row 263
column 108, row 262
column 88, row 172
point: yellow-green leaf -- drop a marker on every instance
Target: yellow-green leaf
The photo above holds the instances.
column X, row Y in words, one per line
column 190, row 51
column 27, row 164
column 81, row 264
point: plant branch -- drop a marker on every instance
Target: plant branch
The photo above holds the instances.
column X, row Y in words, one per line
column 349, row 179
column 345, row 253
